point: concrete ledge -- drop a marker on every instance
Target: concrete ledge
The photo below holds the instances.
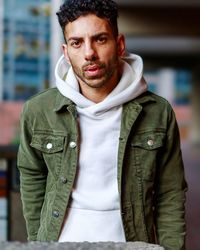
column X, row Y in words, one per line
column 78, row 246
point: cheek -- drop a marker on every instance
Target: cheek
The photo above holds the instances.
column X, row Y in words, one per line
column 112, row 59
column 109, row 55
column 75, row 60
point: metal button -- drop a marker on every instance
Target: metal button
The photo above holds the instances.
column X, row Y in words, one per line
column 49, row 145
column 72, row 144
column 55, row 214
column 63, row 179
column 150, row 142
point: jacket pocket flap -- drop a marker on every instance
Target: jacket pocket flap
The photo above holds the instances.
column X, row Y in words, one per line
column 48, row 143
column 149, row 140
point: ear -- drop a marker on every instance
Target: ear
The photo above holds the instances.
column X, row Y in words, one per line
column 121, row 45
column 65, row 52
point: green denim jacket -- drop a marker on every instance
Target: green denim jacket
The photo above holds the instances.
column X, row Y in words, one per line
column 150, row 169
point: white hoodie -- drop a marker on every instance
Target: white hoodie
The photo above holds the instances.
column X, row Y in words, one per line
column 94, row 211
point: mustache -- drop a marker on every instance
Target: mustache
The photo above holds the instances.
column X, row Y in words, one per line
column 97, row 64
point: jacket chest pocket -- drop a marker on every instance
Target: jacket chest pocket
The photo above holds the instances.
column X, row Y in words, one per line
column 146, row 147
column 51, row 146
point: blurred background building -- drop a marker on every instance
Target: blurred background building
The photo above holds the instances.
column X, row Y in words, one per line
column 26, row 47
column 165, row 33
column 29, row 47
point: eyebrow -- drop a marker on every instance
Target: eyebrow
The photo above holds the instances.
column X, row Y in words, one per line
column 93, row 37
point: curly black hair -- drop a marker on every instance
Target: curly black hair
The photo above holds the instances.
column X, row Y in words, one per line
column 70, row 10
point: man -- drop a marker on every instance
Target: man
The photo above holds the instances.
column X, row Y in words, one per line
column 99, row 156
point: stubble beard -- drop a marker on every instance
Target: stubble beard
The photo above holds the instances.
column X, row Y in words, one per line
column 103, row 79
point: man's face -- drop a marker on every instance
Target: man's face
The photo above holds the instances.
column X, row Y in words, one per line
column 93, row 51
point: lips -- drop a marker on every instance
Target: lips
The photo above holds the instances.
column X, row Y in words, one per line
column 93, row 70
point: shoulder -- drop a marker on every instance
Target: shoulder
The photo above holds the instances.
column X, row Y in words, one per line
column 40, row 102
column 44, row 96
column 151, row 99
column 155, row 107
column 152, row 96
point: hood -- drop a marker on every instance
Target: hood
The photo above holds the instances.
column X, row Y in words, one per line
column 131, row 85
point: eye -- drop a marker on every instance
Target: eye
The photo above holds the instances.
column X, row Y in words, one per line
column 75, row 43
column 101, row 39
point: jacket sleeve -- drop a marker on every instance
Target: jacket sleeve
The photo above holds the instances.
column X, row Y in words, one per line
column 32, row 176
column 170, row 191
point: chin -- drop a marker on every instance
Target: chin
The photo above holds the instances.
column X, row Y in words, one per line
column 96, row 84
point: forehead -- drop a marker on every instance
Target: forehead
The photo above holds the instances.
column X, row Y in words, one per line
column 87, row 25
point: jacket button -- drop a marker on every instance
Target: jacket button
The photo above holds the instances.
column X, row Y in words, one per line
column 63, row 179
column 55, row 214
column 72, row 144
column 49, row 145
column 150, row 142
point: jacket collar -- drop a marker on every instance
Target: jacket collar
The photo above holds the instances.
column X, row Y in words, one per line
column 61, row 102
column 144, row 98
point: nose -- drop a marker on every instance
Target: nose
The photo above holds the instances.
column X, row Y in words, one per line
column 90, row 52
